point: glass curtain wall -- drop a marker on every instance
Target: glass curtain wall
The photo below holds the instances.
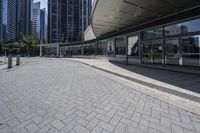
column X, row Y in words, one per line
column 50, row 50
column 71, row 50
column 133, row 46
column 120, row 46
column 88, row 49
column 182, row 43
column 103, row 47
column 176, row 44
column 152, row 46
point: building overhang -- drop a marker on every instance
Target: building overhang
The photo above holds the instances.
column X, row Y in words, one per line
column 114, row 15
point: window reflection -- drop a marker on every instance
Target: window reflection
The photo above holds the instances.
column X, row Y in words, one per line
column 173, row 51
column 133, row 46
column 153, row 33
column 120, row 46
column 182, row 28
column 110, row 48
column 191, row 49
column 152, row 51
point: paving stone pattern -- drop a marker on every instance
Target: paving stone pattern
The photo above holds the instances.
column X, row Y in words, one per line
column 62, row 96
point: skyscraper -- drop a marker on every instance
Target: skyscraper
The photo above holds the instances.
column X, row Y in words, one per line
column 36, row 19
column 18, row 18
column 1, row 21
column 54, row 21
column 68, row 19
column 12, row 20
column 43, row 25
column 24, row 17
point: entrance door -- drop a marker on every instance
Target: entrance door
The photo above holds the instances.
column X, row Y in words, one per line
column 152, row 51
column 173, row 52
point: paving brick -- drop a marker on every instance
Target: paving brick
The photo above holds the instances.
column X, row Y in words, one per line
column 103, row 118
column 37, row 119
column 120, row 128
column 57, row 124
column 32, row 128
column 197, row 126
column 81, row 121
column 68, row 127
column 52, row 102
column 136, row 116
column 143, row 125
column 59, row 116
column 93, row 123
column 106, row 126
column 47, row 129
column 97, row 130
column 177, row 129
column 70, row 118
column 80, row 129
column 13, row 122
column 115, row 120
column 129, row 122
column 151, row 130
column 159, row 128
column 91, row 116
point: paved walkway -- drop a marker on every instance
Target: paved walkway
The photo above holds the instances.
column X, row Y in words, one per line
column 56, row 95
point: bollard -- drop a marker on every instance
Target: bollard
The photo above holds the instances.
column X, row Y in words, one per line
column 126, row 62
column 9, row 62
column 18, row 60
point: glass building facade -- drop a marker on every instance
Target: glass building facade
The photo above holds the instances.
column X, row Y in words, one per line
column 175, row 43
column 68, row 19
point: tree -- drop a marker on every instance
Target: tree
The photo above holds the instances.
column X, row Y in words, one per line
column 64, row 38
column 30, row 45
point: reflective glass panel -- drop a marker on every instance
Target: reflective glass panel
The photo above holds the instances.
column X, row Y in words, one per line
column 191, row 50
column 110, row 47
column 152, row 51
column 173, row 51
column 133, row 46
column 181, row 28
column 120, row 46
column 154, row 33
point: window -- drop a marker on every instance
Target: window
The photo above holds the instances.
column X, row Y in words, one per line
column 133, row 46
column 191, row 50
column 120, row 46
column 110, row 47
column 182, row 28
column 154, row 33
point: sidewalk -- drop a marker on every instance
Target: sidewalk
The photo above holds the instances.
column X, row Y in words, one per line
column 179, row 88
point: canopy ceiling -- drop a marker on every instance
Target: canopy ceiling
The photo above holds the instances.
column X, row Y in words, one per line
column 113, row 15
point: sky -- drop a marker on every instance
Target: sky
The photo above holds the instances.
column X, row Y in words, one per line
column 43, row 3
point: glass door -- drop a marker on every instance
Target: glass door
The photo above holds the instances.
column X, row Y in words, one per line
column 173, row 52
column 153, row 51
column 191, row 50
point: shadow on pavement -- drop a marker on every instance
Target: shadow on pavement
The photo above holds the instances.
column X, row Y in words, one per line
column 183, row 80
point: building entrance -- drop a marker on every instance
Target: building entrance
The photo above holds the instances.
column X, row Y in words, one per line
column 152, row 51
column 173, row 54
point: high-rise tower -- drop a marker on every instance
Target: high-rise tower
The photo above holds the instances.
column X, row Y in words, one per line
column 19, row 18
column 36, row 19
column 68, row 19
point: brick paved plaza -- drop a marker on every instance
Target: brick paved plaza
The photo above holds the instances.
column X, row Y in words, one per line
column 55, row 95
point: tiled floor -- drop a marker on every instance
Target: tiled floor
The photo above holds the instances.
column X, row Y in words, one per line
column 54, row 95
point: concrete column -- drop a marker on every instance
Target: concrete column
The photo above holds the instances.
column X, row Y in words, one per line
column 126, row 44
column 82, row 50
column 140, row 47
column 58, row 50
